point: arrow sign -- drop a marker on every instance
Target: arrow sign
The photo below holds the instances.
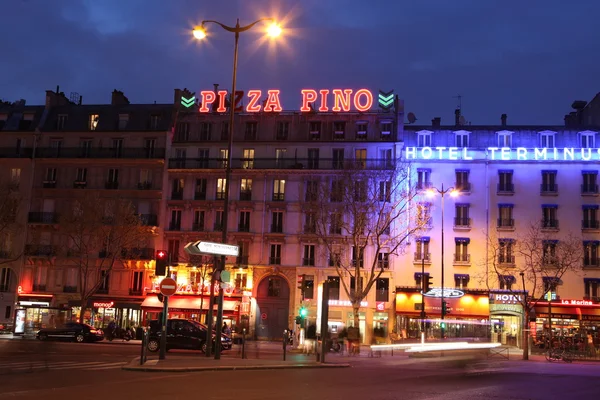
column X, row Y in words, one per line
column 188, row 102
column 200, row 247
column 386, row 99
column 192, row 249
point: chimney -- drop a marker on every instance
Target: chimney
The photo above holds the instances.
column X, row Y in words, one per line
column 457, row 117
column 436, row 122
column 56, row 98
column 118, row 98
column 503, row 119
column 80, row 100
column 567, row 120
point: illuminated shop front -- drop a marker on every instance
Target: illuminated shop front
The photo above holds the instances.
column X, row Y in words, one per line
column 506, row 317
column 34, row 312
column 569, row 317
column 467, row 316
column 125, row 312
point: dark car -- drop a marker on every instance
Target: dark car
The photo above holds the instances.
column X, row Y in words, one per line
column 183, row 334
column 72, row 331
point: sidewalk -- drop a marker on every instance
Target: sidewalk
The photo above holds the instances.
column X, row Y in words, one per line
column 10, row 336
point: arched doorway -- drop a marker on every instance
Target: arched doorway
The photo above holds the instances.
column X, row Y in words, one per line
column 272, row 308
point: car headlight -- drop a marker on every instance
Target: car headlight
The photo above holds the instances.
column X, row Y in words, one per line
column 93, row 331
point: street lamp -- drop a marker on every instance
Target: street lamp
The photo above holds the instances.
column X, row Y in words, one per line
column 201, row 33
column 431, row 192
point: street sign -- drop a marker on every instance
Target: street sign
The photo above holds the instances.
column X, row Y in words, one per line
column 217, row 248
column 263, row 316
column 167, row 287
column 192, row 249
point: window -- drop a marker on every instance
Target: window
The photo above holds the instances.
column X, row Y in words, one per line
column 334, row 287
column 547, row 139
column 85, row 147
column 461, row 216
column 360, row 156
column 461, row 139
column 361, row 131
column 505, row 251
column 353, row 285
column 241, row 280
column 590, row 253
column 461, row 281
column 339, row 129
column 55, row 146
column 280, row 158
column 423, row 214
column 309, row 287
column 335, row 257
column 81, row 176
column 278, row 189
column 177, row 189
column 385, row 191
column 505, row 181
column 505, row 282
column 277, row 222
column 251, row 130
column 549, row 216
column 314, row 129
column 93, row 122
column 505, row 216
column 312, row 190
column 137, row 283
column 175, row 224
column 224, row 130
column 220, row 195
column 587, row 139
column 275, row 254
column 549, row 252
column 360, row 191
column 462, row 183
column 422, row 249
column 182, row 132
column 113, row 179
column 385, row 158
column 203, row 158
column 248, row 159
column 310, row 224
column 549, row 182
column 245, row 189
column 223, row 156
column 335, row 225
column 358, row 256
column 174, row 249
column 200, row 189
column 424, row 139
column 589, row 185
column 382, row 289
column 15, row 176
column 123, row 121
column 383, row 260
column 550, row 286
column 199, row 218
column 50, row 177
column 5, row 281
column 590, row 217
column 244, row 222
column 283, row 128
column 309, row 255
column 338, row 158
column 386, row 129
column 149, row 147
column 592, row 288
column 61, row 121
column 218, row 220
column 154, row 120
column 337, row 191
column 105, row 279
column 423, row 176
column 205, row 131
column 461, row 250
column 504, row 139
column 117, row 147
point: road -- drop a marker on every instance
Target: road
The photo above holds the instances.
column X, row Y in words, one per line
column 94, row 370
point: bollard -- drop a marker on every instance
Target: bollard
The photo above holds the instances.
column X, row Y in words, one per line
column 243, row 343
column 143, row 351
column 285, row 339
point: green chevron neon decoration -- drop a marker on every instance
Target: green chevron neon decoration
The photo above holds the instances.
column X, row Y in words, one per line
column 386, row 99
column 187, row 103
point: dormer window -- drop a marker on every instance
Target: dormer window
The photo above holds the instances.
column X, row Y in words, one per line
column 154, row 119
column 386, row 128
column 547, row 139
column 461, row 139
column 588, row 139
column 93, row 122
column 361, row 130
column 123, row 120
column 338, row 129
column 61, row 122
column 504, row 139
column 424, row 139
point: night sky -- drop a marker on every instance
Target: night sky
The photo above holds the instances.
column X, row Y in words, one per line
column 528, row 59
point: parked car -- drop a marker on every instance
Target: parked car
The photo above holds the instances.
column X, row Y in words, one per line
column 183, row 334
column 71, row 331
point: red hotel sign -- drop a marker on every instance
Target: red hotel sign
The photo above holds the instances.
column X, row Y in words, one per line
column 343, row 100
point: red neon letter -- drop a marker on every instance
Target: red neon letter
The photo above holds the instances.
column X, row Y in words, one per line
column 253, row 105
column 273, row 103
column 324, row 93
column 208, row 97
column 222, row 94
column 369, row 100
column 341, row 98
column 308, row 97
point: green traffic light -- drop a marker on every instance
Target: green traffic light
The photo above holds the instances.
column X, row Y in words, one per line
column 303, row 312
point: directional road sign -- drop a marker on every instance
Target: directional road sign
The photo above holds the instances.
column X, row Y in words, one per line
column 220, row 249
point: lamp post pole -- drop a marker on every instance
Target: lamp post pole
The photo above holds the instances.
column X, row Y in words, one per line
column 236, row 30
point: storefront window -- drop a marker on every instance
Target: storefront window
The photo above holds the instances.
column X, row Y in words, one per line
column 380, row 325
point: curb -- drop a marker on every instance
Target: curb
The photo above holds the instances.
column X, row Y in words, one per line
column 233, row 368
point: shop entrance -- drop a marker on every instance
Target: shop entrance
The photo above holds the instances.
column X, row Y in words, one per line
column 272, row 308
column 506, row 329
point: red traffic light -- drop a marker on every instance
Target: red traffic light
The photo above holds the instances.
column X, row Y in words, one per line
column 161, row 254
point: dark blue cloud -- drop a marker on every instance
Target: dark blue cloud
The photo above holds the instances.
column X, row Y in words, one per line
column 527, row 59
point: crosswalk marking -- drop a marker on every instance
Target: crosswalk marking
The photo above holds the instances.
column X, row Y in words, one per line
column 62, row 365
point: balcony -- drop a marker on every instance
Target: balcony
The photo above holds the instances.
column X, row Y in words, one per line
column 463, row 187
column 246, row 195
column 506, row 259
column 278, row 197
column 198, row 226
column 102, row 153
column 308, row 261
column 462, row 222
column 275, row 260
column 241, row 260
column 149, row 219
column 43, row 218
column 589, row 189
column 144, row 185
column 506, row 223
column 174, row 226
column 276, row 228
column 506, row 188
column 40, row 250
column 549, row 188
column 111, row 185
column 590, row 224
column 420, row 257
column 39, row 287
column 244, row 228
column 136, row 292
column 462, row 259
column 424, row 185
column 277, row 163
column 220, row 196
column 79, row 184
column 69, row 289
column 550, row 224
column 383, row 264
column 177, row 195
column 591, row 262
column 49, row 184
column 199, row 195
column 16, row 152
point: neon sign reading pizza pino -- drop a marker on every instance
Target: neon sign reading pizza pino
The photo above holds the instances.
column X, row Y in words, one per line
column 323, row 100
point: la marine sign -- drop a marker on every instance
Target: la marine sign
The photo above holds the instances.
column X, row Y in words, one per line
column 322, row 100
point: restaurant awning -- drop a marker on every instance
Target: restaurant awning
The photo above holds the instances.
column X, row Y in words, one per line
column 185, row 303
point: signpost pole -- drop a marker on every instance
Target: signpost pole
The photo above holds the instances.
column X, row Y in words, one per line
column 211, row 305
column 163, row 333
column 219, row 322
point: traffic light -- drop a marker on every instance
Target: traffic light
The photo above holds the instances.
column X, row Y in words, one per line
column 161, row 260
column 443, row 325
column 303, row 312
column 445, row 308
column 302, row 284
column 427, row 283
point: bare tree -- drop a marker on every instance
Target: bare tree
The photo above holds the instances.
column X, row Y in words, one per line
column 10, row 200
column 202, row 266
column 530, row 266
column 364, row 206
column 102, row 233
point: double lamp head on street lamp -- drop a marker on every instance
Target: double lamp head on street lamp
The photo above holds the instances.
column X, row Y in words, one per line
column 273, row 29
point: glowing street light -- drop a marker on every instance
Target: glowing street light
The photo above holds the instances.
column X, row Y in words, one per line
column 274, row 30
column 453, row 193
